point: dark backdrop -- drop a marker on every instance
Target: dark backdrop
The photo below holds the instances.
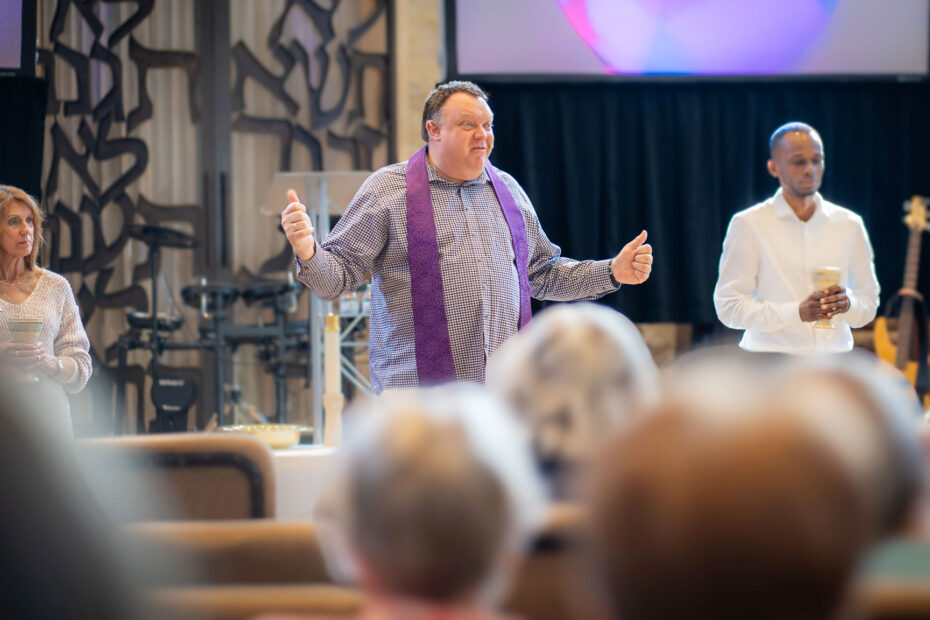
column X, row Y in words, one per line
column 22, row 132
column 603, row 161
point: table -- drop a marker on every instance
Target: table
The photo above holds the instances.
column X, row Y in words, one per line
column 300, row 473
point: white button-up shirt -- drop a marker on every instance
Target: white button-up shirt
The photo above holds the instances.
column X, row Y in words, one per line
column 766, row 272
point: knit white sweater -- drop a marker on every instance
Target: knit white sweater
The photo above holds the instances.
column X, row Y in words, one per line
column 62, row 335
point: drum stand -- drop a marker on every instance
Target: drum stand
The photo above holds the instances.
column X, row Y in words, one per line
column 171, row 396
column 281, row 297
column 213, row 299
column 171, row 405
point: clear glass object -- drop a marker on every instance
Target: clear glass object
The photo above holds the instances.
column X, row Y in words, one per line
column 824, row 278
column 25, row 331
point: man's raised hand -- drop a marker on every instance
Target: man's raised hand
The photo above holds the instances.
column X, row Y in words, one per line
column 297, row 227
column 634, row 262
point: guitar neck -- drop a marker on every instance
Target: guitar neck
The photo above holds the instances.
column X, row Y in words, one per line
column 906, row 318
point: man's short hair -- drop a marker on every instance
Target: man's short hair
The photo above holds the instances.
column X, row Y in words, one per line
column 439, row 96
column 779, row 133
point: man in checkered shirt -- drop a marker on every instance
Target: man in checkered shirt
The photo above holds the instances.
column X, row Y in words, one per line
column 476, row 255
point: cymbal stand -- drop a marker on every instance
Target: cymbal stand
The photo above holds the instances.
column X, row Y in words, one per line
column 119, row 411
column 219, row 357
column 125, row 343
column 154, row 342
column 280, row 364
column 218, row 315
column 277, row 356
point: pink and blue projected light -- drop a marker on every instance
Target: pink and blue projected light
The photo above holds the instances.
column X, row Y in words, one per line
column 691, row 37
column 700, row 36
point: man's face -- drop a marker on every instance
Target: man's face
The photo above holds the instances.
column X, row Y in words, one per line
column 463, row 136
column 798, row 163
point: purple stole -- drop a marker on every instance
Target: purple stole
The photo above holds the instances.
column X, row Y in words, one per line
column 430, row 325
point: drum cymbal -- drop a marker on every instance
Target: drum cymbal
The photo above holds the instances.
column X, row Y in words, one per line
column 160, row 235
column 165, row 323
column 224, row 294
column 264, row 294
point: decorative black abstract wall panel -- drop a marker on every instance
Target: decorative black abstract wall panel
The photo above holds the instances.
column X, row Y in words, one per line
column 105, row 137
column 99, row 64
column 334, row 74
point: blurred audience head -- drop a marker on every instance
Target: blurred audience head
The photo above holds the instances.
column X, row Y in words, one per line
column 717, row 382
column 869, row 415
column 435, row 496
column 736, row 516
column 59, row 559
column 575, row 373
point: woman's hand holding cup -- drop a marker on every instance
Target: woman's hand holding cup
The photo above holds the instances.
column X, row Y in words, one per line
column 21, row 355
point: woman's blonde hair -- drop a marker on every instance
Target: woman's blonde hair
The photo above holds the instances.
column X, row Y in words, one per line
column 9, row 195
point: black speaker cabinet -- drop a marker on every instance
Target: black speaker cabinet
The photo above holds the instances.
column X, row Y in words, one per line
column 22, row 132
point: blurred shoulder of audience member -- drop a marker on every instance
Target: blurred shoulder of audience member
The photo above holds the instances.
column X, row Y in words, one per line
column 433, row 502
column 60, row 559
column 575, row 373
column 868, row 413
column 732, row 516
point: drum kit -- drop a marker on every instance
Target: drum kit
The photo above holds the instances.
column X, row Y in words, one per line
column 173, row 395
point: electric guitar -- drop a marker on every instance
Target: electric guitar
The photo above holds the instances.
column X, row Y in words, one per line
column 901, row 352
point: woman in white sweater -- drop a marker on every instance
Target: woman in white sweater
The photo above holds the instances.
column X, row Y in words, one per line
column 60, row 359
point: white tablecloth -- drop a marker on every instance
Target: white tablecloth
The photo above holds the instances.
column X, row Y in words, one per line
column 300, row 473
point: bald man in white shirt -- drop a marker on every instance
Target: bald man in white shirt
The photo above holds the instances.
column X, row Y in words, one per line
column 765, row 284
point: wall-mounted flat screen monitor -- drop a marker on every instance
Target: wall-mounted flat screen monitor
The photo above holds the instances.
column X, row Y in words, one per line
column 17, row 37
column 710, row 38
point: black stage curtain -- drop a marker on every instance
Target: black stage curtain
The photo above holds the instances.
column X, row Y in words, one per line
column 22, row 132
column 603, row 161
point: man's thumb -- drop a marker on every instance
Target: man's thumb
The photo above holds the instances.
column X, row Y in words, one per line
column 639, row 240
column 292, row 196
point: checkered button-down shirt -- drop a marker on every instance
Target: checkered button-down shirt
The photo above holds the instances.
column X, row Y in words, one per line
column 476, row 257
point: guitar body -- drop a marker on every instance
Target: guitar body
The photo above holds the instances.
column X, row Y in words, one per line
column 888, row 351
column 902, row 355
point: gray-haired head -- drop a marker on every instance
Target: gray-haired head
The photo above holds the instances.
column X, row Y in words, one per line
column 576, row 373
column 787, row 128
column 434, row 488
column 439, row 95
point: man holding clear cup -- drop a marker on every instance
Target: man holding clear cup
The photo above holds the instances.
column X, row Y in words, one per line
column 774, row 251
